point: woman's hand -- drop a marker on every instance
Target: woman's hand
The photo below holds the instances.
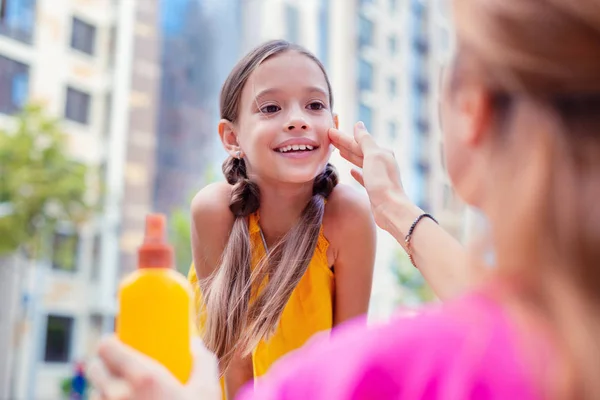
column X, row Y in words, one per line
column 380, row 174
column 121, row 373
column 440, row 258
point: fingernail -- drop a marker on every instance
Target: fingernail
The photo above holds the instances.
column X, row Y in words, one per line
column 361, row 125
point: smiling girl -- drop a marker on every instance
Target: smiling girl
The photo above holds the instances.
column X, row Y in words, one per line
column 281, row 250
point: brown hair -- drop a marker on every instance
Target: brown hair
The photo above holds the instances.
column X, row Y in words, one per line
column 543, row 57
column 233, row 321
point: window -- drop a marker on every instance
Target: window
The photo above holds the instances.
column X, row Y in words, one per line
column 421, row 45
column 422, row 125
column 83, row 36
column 392, row 130
column 421, row 85
column 423, row 167
column 365, row 114
column 77, row 106
column 14, row 85
column 59, row 334
column 96, row 257
column 365, row 32
column 392, row 45
column 324, row 32
column 64, row 252
column 392, row 87
column 292, row 22
column 420, row 42
column 17, row 19
column 365, row 75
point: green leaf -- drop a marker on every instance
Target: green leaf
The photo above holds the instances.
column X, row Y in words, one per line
column 40, row 180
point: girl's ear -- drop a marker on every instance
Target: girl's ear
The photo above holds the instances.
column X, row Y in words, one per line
column 336, row 121
column 228, row 135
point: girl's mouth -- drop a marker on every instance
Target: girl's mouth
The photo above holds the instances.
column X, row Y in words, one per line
column 296, row 148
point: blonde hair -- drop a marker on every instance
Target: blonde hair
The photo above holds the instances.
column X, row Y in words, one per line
column 232, row 322
column 543, row 56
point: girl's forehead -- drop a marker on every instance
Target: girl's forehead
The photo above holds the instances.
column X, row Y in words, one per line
column 286, row 71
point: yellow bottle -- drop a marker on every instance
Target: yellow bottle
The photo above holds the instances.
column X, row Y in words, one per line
column 156, row 305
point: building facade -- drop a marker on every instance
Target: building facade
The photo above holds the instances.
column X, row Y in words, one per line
column 201, row 40
column 95, row 66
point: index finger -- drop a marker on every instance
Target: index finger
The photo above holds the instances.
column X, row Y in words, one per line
column 343, row 141
column 363, row 138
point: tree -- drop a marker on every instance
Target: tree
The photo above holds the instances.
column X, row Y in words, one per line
column 40, row 185
column 181, row 239
column 412, row 287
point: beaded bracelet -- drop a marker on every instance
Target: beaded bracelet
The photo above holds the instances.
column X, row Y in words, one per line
column 410, row 233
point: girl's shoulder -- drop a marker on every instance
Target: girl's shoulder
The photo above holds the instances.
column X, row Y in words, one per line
column 212, row 201
column 347, row 213
column 345, row 199
column 210, row 226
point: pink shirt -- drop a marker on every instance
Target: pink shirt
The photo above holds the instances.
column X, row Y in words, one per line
column 466, row 349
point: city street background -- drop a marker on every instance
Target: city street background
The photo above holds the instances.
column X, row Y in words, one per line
column 109, row 111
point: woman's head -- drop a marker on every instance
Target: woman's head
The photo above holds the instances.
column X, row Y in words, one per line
column 522, row 102
column 276, row 109
column 521, row 119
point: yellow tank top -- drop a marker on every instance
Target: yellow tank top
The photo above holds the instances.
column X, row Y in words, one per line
column 308, row 311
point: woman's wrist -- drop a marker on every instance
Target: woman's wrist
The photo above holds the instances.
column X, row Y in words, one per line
column 397, row 215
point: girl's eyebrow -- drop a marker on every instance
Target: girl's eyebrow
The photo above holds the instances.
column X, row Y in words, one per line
column 274, row 91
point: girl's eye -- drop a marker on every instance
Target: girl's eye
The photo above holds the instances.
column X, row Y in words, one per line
column 270, row 109
column 316, row 105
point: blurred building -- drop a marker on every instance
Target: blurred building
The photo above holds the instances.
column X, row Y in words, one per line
column 304, row 22
column 95, row 65
column 201, row 40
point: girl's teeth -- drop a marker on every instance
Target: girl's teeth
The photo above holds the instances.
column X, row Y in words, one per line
column 295, row 147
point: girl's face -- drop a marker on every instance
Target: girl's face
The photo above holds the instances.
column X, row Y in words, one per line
column 284, row 117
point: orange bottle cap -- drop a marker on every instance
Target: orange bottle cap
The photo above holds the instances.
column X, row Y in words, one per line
column 155, row 252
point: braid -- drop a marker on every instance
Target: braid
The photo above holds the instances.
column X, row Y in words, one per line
column 245, row 195
column 288, row 261
column 325, row 182
column 227, row 292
